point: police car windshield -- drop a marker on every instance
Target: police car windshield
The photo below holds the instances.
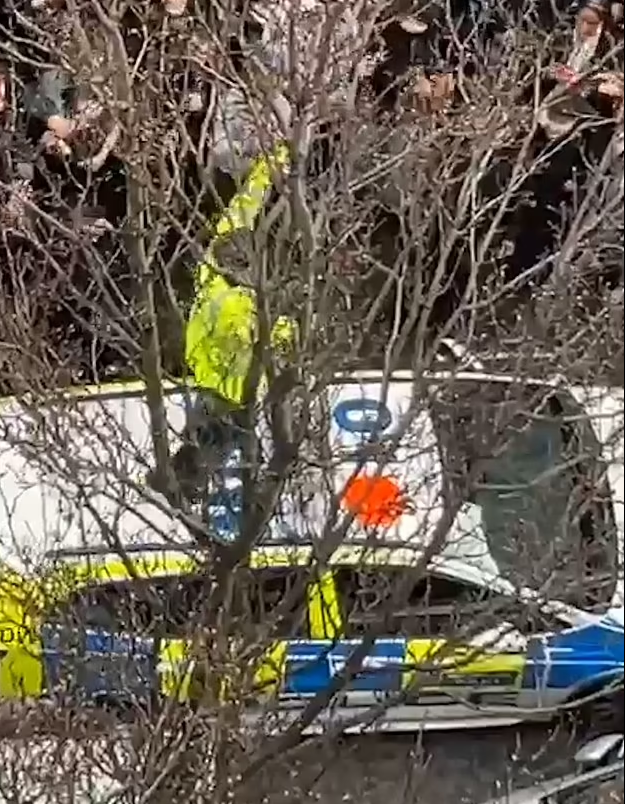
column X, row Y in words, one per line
column 531, row 462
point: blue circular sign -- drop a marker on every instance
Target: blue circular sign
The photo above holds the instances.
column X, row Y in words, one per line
column 365, row 416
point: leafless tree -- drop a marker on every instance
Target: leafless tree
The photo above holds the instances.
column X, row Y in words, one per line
column 387, row 233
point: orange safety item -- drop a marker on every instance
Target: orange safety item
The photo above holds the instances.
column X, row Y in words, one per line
column 375, row 501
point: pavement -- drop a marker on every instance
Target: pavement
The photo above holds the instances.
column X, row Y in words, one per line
column 440, row 768
column 463, row 769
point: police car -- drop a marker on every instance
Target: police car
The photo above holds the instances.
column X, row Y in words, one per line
column 401, row 649
column 541, row 530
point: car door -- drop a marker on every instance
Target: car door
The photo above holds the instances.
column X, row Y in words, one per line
column 424, row 627
column 283, row 611
column 280, row 619
column 564, row 662
column 131, row 639
column 99, row 645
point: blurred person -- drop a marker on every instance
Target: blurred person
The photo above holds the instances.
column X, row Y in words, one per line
column 432, row 93
column 74, row 132
column 16, row 168
column 220, row 351
column 245, row 125
column 290, row 42
column 585, row 91
column 597, row 44
column 279, row 65
column 576, row 124
column 597, row 27
column 411, row 55
column 221, row 343
column 64, row 102
column 429, row 50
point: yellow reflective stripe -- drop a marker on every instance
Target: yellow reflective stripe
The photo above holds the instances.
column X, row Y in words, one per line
column 21, row 671
column 76, row 575
column 295, row 556
column 324, row 610
column 270, row 672
column 145, row 567
column 347, row 555
column 459, row 660
column 205, row 271
column 244, row 208
column 493, row 664
column 231, row 388
column 284, row 334
column 175, row 669
column 419, row 652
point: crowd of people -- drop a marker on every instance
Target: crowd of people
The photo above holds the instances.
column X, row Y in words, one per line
column 65, row 145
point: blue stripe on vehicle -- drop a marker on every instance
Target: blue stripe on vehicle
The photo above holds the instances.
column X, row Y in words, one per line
column 573, row 657
column 90, row 663
column 311, row 666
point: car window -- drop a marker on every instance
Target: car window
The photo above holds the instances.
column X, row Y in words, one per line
column 597, row 791
column 143, row 607
column 532, row 464
column 173, row 606
column 274, row 598
column 404, row 601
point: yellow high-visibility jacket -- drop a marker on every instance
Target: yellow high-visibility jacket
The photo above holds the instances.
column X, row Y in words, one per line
column 222, row 326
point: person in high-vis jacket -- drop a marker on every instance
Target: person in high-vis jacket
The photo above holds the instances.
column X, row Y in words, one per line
column 220, row 338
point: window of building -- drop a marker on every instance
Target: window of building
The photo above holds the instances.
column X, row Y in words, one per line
column 531, row 462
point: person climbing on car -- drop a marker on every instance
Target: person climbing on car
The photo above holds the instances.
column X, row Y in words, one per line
column 222, row 345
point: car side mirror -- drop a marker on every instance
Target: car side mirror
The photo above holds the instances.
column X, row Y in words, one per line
column 600, row 749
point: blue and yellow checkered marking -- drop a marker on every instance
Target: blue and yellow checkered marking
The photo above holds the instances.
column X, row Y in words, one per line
column 307, row 667
column 566, row 659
